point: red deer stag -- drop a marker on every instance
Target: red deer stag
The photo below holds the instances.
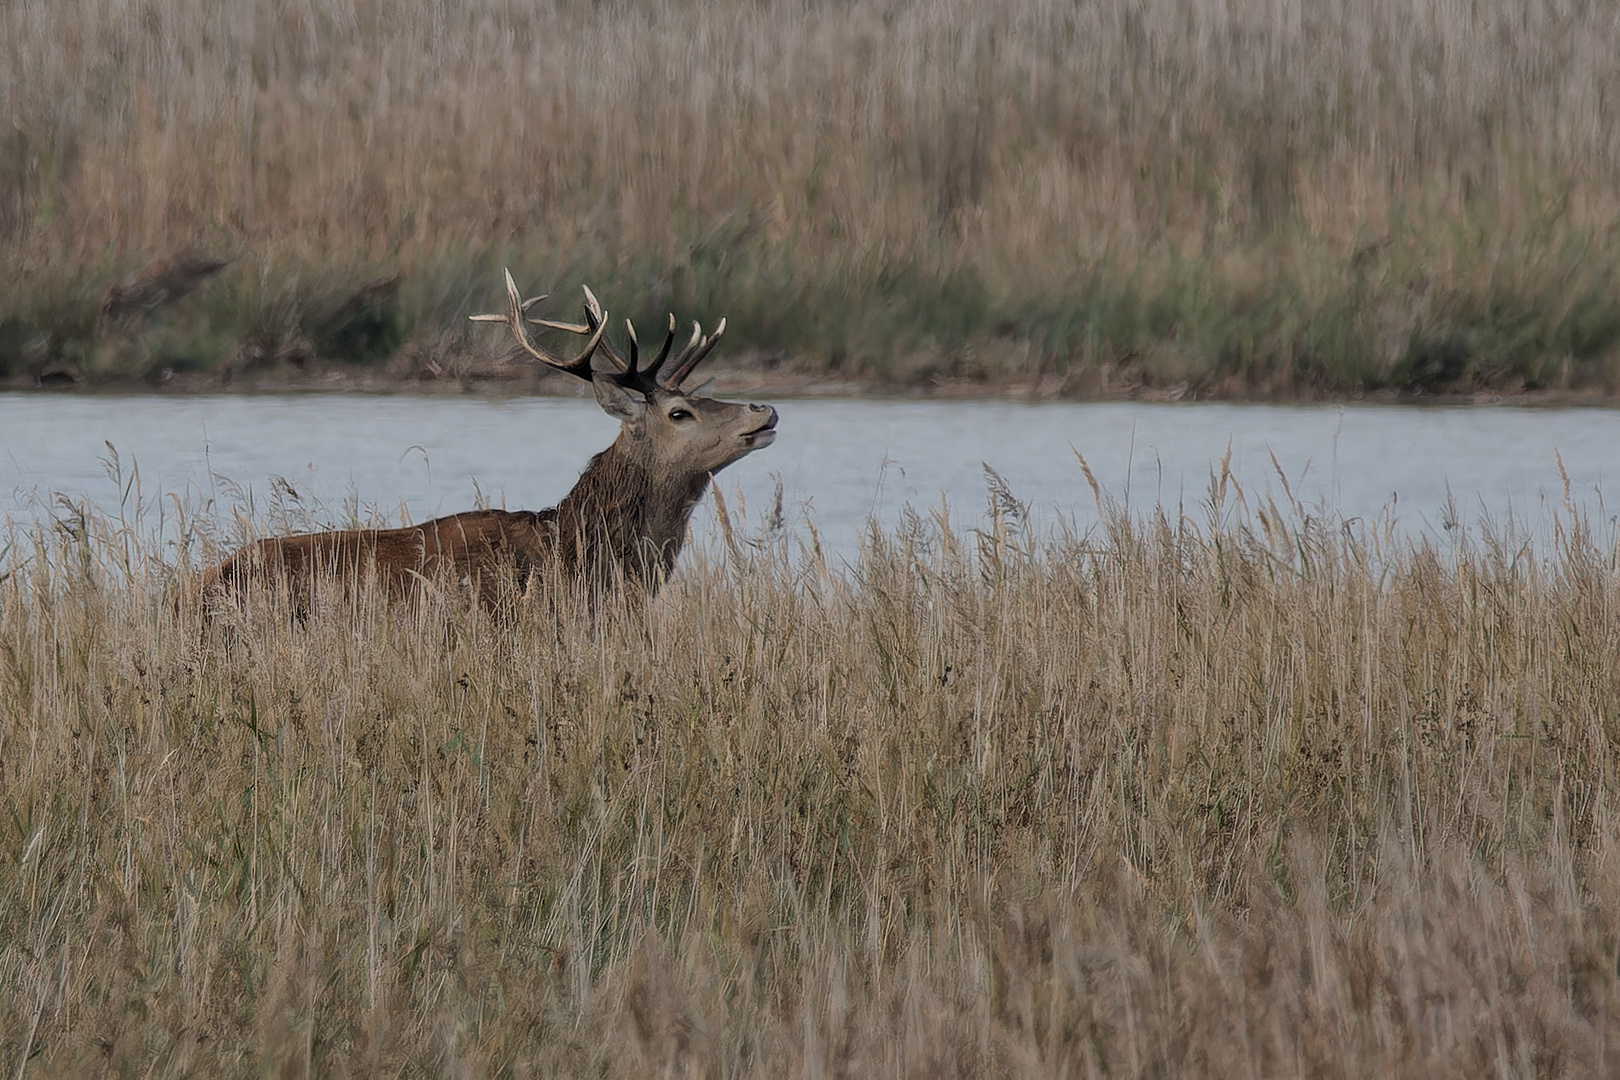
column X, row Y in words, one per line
column 625, row 520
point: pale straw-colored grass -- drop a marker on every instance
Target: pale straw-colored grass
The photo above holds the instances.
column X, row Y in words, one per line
column 1258, row 794
column 386, row 126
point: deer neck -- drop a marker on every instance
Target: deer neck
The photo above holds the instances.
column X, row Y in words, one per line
column 622, row 515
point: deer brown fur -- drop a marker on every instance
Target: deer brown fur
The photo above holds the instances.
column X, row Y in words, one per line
column 624, row 521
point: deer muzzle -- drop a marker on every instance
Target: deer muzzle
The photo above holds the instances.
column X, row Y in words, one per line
column 765, row 433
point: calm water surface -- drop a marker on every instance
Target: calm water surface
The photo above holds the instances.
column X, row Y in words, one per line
column 839, row 462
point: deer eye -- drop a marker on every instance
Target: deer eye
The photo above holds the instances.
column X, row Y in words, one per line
column 679, row 414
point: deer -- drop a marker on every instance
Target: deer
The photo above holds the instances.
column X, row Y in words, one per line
column 621, row 526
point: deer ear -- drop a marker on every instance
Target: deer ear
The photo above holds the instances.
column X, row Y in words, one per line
column 616, row 400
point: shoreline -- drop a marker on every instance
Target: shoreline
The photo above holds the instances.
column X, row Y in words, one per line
column 784, row 381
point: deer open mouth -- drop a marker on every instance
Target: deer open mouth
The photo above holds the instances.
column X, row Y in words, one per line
column 763, row 435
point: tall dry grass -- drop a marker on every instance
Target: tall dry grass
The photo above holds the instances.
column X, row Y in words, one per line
column 1257, row 794
column 1242, row 194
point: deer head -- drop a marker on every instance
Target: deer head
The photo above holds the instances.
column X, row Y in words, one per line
column 674, row 433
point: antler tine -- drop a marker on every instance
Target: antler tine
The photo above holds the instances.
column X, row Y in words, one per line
column 515, row 318
column 663, row 354
column 551, row 324
column 673, row 380
column 596, row 319
column 693, row 354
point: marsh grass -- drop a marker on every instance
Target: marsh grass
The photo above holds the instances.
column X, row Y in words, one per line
column 1253, row 793
column 1252, row 198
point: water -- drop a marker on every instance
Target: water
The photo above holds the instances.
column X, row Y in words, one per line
column 839, row 462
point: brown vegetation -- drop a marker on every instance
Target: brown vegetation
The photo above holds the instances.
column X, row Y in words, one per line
column 1261, row 794
column 127, row 303
column 1250, row 196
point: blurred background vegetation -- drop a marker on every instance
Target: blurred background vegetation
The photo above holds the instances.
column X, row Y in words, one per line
column 1273, row 199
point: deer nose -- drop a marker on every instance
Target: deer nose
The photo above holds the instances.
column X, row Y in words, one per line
column 770, row 420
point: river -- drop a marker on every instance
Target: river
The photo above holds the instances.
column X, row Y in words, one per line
column 840, row 463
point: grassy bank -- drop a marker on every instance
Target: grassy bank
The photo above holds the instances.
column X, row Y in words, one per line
column 1255, row 795
column 1245, row 199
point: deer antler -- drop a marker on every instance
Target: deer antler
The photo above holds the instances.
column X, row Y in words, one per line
column 696, row 349
column 516, row 317
column 647, row 379
column 628, row 374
